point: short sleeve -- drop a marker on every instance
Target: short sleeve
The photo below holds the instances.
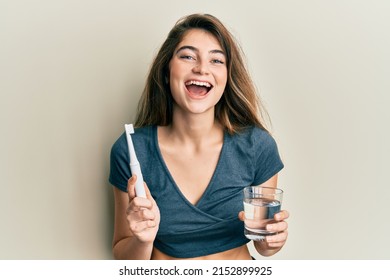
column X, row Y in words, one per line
column 119, row 164
column 268, row 162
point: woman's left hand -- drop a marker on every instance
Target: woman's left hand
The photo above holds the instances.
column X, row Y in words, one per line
column 272, row 243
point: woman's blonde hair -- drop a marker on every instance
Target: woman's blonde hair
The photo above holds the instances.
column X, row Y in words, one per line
column 239, row 106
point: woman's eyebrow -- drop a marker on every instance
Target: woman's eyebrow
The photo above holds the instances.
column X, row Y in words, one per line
column 188, row 48
column 192, row 48
column 217, row 51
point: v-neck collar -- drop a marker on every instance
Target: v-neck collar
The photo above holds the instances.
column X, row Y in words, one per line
column 169, row 175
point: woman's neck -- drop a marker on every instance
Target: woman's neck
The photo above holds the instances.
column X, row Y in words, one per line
column 195, row 129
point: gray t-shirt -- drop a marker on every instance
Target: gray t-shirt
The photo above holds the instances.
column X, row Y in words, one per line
column 212, row 225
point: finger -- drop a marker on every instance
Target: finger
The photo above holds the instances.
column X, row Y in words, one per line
column 277, row 240
column 275, row 244
column 147, row 214
column 142, row 226
column 149, row 195
column 139, row 203
column 282, row 215
column 139, row 215
column 147, row 191
column 277, row 227
column 241, row 215
column 131, row 186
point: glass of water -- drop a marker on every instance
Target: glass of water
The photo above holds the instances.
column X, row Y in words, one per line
column 260, row 206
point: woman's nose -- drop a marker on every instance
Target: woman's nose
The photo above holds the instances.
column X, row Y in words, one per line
column 201, row 68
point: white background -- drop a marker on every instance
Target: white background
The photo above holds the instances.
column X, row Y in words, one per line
column 71, row 73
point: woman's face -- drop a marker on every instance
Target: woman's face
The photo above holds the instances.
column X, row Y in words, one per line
column 198, row 72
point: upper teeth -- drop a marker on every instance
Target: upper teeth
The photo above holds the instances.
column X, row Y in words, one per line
column 204, row 84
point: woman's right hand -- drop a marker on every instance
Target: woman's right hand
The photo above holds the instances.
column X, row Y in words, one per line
column 142, row 214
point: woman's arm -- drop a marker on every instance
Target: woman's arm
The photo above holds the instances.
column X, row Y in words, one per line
column 136, row 224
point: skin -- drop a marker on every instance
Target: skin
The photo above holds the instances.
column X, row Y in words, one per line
column 194, row 138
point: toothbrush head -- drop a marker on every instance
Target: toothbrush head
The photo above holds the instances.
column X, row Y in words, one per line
column 129, row 128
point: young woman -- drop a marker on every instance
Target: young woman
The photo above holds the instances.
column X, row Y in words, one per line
column 200, row 139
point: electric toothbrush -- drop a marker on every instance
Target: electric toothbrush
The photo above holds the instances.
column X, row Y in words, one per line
column 134, row 164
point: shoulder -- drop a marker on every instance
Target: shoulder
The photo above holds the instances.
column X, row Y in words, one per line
column 143, row 133
column 120, row 145
column 141, row 136
column 254, row 152
column 253, row 136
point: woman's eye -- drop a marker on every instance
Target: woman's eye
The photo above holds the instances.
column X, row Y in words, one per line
column 187, row 57
column 217, row 61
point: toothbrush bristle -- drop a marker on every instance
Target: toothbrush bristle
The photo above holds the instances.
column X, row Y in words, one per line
column 129, row 128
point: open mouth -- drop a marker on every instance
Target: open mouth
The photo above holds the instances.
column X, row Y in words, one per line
column 198, row 88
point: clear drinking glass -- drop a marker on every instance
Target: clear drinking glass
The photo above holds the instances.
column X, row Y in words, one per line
column 260, row 206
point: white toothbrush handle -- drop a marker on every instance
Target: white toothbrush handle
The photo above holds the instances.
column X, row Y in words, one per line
column 139, row 184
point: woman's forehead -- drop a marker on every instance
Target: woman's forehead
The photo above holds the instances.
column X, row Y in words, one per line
column 200, row 37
